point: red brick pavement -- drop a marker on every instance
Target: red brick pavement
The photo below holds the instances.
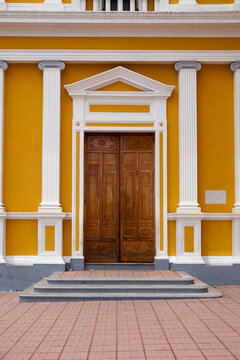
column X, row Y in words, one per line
column 132, row 274
column 158, row 329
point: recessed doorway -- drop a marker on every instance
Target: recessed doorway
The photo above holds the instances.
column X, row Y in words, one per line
column 119, row 216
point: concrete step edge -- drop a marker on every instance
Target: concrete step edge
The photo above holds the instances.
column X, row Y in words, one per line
column 117, row 288
column 123, row 296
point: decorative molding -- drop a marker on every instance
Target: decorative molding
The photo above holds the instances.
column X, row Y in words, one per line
column 3, row 65
column 51, row 64
column 116, row 56
column 2, row 238
column 235, row 67
column 84, row 93
column 3, row 68
column 187, row 65
column 51, row 136
column 122, row 74
column 236, row 240
column 183, row 257
column 209, row 260
column 204, row 216
column 187, row 78
column 28, row 260
column 37, row 215
column 56, row 254
column 170, row 21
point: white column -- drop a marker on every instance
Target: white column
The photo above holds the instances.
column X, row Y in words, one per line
column 3, row 67
column 235, row 67
column 51, row 136
column 188, row 136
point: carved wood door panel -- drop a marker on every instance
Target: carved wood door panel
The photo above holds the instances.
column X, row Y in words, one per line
column 119, row 198
column 137, row 198
column 101, row 225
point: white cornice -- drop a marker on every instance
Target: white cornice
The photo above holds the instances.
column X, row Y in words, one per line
column 32, row 20
column 120, row 56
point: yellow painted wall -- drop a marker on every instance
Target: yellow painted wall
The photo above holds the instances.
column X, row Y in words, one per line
column 67, row 237
column 21, row 237
column 22, row 138
column 215, row 134
column 119, row 43
column 172, row 238
column 216, row 238
column 23, row 133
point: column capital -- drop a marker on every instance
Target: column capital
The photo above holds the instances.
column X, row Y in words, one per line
column 187, row 65
column 235, row 66
column 51, row 64
column 3, row 65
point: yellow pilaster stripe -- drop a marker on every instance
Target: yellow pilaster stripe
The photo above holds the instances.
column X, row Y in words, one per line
column 77, row 188
column 161, row 190
column 49, row 238
column 189, row 238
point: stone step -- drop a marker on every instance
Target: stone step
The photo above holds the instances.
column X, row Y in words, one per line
column 65, row 287
column 31, row 296
column 43, row 286
column 120, row 281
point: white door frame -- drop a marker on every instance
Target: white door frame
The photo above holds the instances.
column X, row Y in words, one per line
column 154, row 94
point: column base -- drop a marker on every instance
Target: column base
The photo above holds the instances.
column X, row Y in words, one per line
column 2, row 260
column 49, row 209
column 189, row 259
column 2, row 208
column 77, row 263
column 236, row 209
column 47, row 259
column 188, row 209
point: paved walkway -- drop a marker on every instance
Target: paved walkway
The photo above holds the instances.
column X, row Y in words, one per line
column 159, row 329
column 131, row 274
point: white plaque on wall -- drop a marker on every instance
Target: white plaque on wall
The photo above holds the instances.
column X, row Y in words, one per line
column 215, row 196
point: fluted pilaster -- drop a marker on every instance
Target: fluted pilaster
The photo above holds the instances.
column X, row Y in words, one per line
column 51, row 136
column 3, row 67
column 235, row 67
column 188, row 136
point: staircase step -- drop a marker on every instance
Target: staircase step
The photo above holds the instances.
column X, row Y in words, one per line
column 121, row 281
column 31, row 296
column 43, row 286
column 65, row 287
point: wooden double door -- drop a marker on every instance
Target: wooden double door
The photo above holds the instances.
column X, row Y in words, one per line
column 119, row 198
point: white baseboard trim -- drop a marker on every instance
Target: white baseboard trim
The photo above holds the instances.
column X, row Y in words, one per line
column 28, row 260
column 208, row 260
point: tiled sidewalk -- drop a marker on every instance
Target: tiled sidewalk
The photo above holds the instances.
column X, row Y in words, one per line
column 160, row 329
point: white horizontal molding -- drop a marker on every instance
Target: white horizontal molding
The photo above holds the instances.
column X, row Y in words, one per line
column 22, row 20
column 204, row 216
column 123, row 56
column 36, row 215
column 121, row 129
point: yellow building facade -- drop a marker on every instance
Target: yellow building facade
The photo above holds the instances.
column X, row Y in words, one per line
column 85, row 71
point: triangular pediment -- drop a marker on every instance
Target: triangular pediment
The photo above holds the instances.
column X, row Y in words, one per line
column 119, row 74
column 119, row 86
